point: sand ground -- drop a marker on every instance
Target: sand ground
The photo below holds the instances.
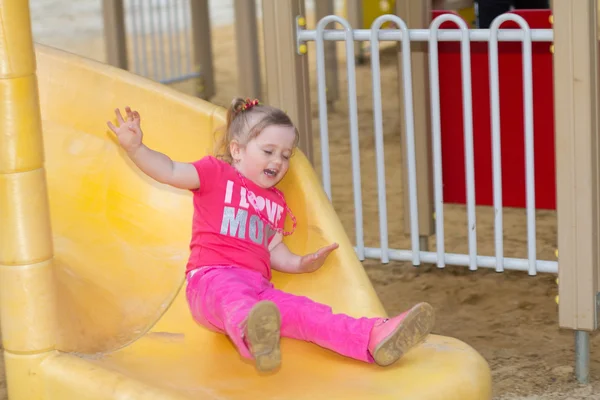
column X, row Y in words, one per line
column 510, row 318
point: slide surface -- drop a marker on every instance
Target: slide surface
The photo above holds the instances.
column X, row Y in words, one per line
column 121, row 244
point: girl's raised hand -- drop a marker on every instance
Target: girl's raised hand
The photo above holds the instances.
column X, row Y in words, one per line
column 314, row 261
column 129, row 132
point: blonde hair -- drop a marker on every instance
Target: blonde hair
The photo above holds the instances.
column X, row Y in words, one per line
column 244, row 123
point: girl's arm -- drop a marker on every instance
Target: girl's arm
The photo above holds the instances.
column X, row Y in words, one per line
column 156, row 165
column 161, row 168
column 283, row 260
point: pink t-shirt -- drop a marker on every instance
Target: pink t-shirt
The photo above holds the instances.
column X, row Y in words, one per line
column 226, row 229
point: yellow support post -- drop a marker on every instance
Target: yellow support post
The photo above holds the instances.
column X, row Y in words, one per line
column 27, row 299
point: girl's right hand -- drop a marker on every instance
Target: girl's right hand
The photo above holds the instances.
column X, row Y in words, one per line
column 129, row 133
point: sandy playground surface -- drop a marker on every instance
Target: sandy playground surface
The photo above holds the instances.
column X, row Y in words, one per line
column 510, row 318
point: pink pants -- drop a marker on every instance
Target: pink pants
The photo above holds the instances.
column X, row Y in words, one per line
column 220, row 298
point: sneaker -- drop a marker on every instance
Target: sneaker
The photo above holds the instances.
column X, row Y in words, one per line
column 262, row 335
column 392, row 338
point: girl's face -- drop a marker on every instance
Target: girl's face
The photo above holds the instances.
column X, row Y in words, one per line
column 265, row 158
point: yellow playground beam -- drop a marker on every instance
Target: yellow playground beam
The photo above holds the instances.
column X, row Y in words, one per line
column 27, row 298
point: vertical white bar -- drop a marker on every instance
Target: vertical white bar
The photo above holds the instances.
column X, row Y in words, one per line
column 378, row 130
column 496, row 143
column 322, row 102
column 409, row 125
column 354, row 140
column 353, row 114
column 437, row 138
column 529, row 148
column 529, row 143
column 465, row 50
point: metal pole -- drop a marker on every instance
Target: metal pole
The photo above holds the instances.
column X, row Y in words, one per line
column 582, row 356
column 354, row 11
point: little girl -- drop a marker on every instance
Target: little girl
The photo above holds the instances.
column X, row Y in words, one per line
column 238, row 227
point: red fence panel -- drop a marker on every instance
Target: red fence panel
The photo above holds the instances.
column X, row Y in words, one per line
column 511, row 118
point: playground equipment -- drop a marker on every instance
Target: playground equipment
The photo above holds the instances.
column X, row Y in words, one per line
column 370, row 10
column 136, row 31
column 153, row 29
column 362, row 14
column 575, row 91
column 92, row 254
column 511, row 116
column 119, row 326
column 416, row 255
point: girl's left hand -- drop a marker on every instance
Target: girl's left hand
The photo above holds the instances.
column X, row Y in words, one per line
column 314, row 261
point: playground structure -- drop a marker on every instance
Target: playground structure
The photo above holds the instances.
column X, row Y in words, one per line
column 102, row 314
column 137, row 30
column 511, row 116
column 362, row 14
column 580, row 311
column 184, row 28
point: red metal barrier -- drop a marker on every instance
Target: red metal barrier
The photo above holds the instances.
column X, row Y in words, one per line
column 511, row 119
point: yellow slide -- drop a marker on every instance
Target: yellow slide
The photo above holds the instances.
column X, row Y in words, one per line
column 122, row 329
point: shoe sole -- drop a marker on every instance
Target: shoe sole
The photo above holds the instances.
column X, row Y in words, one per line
column 263, row 335
column 412, row 331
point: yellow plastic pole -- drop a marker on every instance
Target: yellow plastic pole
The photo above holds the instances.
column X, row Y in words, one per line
column 27, row 300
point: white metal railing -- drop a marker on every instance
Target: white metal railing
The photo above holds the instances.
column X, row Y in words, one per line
column 161, row 40
column 433, row 35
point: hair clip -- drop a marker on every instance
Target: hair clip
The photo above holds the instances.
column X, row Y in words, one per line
column 249, row 104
